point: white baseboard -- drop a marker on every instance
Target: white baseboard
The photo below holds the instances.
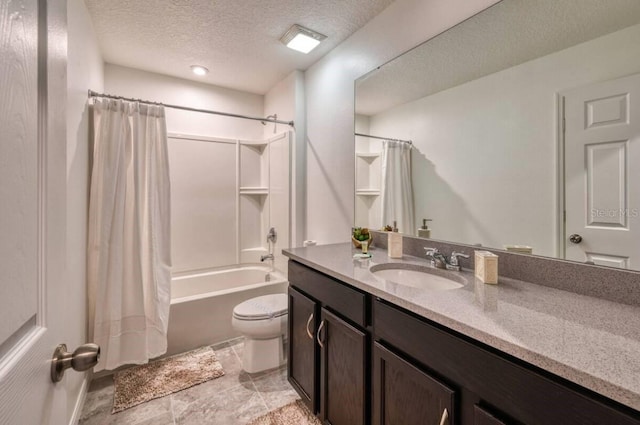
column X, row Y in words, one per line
column 82, row 396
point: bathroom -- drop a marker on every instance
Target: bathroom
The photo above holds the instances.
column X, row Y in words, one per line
column 314, row 158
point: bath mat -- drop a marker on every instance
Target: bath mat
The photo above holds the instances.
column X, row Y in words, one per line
column 165, row 376
column 295, row 413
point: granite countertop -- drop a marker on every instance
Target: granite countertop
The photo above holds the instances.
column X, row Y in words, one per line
column 592, row 342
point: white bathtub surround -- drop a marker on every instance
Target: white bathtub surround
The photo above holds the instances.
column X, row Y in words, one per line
column 226, row 195
column 397, row 190
column 263, row 322
column 202, row 303
column 129, row 255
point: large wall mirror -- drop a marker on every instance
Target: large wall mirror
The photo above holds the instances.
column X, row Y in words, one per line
column 517, row 129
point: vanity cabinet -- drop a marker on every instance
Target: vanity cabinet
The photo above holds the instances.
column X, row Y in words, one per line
column 343, row 371
column 360, row 360
column 404, row 394
column 303, row 352
column 482, row 417
column 517, row 393
column 328, row 346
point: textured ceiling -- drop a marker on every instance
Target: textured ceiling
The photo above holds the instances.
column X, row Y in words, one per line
column 237, row 40
column 510, row 33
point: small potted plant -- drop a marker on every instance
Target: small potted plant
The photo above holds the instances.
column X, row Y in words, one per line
column 361, row 234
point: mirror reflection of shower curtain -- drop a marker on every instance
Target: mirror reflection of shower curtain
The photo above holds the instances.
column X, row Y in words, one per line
column 129, row 257
column 397, row 190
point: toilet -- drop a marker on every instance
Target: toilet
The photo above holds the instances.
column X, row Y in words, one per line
column 263, row 323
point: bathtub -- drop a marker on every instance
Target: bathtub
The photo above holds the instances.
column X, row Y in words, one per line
column 202, row 304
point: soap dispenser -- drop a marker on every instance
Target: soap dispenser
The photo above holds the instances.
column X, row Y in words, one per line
column 424, row 231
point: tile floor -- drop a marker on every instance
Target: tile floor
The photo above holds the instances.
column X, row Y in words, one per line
column 233, row 399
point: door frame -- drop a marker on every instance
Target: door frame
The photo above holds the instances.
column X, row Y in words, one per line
column 560, row 242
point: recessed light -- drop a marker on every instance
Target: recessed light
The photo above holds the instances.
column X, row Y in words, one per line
column 199, row 70
column 302, row 39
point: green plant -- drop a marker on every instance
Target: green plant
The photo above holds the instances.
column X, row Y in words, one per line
column 361, row 233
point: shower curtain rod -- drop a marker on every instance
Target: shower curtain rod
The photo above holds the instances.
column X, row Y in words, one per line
column 383, row 138
column 185, row 108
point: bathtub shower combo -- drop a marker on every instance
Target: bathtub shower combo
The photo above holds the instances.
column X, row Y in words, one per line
column 228, row 280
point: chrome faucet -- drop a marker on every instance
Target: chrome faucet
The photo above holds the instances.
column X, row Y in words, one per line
column 439, row 261
column 454, row 263
column 266, row 257
column 272, row 236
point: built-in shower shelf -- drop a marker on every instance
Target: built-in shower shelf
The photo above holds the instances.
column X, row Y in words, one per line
column 368, row 155
column 254, row 191
column 257, row 249
column 368, row 192
column 255, row 143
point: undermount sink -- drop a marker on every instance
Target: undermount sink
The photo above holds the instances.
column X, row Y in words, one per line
column 417, row 276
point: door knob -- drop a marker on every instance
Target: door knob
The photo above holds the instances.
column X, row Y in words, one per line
column 83, row 358
column 575, row 238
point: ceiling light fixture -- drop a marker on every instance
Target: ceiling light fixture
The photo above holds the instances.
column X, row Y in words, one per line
column 301, row 39
column 199, row 70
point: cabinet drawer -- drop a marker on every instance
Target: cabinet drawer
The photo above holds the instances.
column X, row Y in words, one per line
column 349, row 302
column 520, row 391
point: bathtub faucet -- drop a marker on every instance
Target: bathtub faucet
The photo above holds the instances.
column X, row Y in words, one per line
column 266, row 257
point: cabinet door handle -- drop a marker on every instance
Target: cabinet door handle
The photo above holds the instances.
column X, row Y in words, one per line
column 308, row 323
column 318, row 335
column 444, row 420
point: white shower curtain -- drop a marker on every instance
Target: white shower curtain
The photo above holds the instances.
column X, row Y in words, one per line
column 397, row 190
column 129, row 255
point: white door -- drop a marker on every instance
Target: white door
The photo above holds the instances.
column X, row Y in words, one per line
column 602, row 173
column 32, row 209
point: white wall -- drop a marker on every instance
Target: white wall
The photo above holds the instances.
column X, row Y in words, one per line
column 134, row 83
column 203, row 204
column 484, row 158
column 287, row 100
column 329, row 90
column 84, row 71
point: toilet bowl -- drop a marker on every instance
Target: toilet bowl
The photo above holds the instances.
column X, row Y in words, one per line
column 263, row 323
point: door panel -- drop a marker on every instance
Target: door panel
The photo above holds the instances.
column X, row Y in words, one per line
column 32, row 211
column 606, row 173
column 343, row 372
column 18, row 172
column 602, row 175
column 303, row 353
column 404, row 394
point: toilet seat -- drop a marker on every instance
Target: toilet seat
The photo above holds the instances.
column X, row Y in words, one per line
column 262, row 308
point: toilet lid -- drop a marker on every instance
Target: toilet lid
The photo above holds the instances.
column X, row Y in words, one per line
column 260, row 308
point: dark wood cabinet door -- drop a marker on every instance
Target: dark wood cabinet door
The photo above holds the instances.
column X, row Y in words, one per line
column 483, row 417
column 405, row 395
column 343, row 372
column 303, row 353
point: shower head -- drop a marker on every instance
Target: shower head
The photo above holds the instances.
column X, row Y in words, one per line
column 274, row 116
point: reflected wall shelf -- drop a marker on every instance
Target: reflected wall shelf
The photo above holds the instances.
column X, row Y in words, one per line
column 368, row 199
column 368, row 192
column 254, row 191
column 368, row 155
